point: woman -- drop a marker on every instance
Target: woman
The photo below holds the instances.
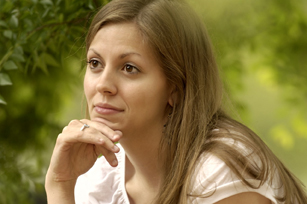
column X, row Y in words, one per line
column 152, row 85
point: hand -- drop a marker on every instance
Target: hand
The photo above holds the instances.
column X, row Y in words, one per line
column 76, row 151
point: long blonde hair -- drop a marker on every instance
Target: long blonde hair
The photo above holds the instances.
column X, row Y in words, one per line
column 183, row 47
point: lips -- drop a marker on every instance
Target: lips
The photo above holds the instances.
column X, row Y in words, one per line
column 106, row 109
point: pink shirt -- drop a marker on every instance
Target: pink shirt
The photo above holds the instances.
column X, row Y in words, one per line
column 105, row 184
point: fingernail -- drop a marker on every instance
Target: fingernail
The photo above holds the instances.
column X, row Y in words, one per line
column 115, row 137
column 115, row 148
column 114, row 162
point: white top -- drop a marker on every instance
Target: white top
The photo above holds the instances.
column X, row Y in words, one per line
column 105, row 184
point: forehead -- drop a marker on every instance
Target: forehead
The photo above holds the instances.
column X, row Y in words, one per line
column 126, row 32
column 124, row 36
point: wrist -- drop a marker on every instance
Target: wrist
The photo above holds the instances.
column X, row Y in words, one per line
column 60, row 191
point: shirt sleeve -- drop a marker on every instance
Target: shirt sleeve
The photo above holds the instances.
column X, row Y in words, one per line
column 214, row 181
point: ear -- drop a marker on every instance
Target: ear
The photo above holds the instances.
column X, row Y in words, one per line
column 173, row 97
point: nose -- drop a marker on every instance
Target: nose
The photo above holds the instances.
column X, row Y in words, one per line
column 107, row 82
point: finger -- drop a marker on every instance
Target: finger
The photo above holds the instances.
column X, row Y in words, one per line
column 71, row 137
column 108, row 144
column 113, row 135
column 75, row 133
column 73, row 122
column 117, row 136
column 109, row 156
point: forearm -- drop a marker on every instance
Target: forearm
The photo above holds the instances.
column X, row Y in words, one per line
column 60, row 192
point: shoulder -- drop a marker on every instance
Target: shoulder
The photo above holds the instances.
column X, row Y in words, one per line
column 101, row 176
column 213, row 180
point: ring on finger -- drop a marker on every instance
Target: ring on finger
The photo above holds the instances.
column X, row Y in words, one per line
column 84, row 126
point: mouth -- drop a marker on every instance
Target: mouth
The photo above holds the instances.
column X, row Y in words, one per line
column 106, row 109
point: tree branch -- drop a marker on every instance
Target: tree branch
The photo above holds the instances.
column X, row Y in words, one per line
column 75, row 21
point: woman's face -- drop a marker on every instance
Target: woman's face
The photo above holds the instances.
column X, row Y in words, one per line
column 124, row 84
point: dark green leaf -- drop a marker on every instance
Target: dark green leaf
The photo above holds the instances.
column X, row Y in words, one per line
column 45, row 13
column 2, row 101
column 17, row 57
column 41, row 63
column 8, row 6
column 50, row 59
column 8, row 33
column 46, row 2
column 18, row 50
column 3, row 23
column 9, row 65
column 90, row 5
column 5, row 80
column 14, row 22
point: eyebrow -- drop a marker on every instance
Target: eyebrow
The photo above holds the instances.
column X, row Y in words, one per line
column 127, row 54
column 121, row 56
column 94, row 51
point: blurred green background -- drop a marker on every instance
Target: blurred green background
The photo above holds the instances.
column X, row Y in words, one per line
column 261, row 48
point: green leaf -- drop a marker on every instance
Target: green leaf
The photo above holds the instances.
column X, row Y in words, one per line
column 46, row 2
column 3, row 23
column 18, row 50
column 8, row 6
column 61, row 18
column 45, row 13
column 5, row 80
column 2, row 101
column 8, row 34
column 90, row 5
column 18, row 57
column 41, row 63
column 6, row 56
column 10, row 65
column 49, row 59
column 14, row 21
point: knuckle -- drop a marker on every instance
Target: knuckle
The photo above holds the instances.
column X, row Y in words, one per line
column 64, row 128
column 59, row 138
column 110, row 154
column 102, row 142
column 84, row 120
column 74, row 122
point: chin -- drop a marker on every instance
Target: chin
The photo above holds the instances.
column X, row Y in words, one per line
column 110, row 124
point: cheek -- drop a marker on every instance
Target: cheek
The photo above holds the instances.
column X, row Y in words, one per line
column 147, row 97
column 89, row 88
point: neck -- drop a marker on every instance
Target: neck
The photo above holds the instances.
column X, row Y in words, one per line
column 144, row 168
column 142, row 156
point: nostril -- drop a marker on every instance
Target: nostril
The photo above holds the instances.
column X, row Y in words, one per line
column 106, row 88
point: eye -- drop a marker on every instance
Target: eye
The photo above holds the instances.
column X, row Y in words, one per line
column 93, row 63
column 131, row 69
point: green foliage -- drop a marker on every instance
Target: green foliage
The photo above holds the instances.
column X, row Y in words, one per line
column 41, row 41
column 264, row 35
column 36, row 34
column 261, row 48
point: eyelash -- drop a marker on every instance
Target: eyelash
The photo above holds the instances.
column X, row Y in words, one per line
column 133, row 67
column 91, row 61
column 124, row 68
